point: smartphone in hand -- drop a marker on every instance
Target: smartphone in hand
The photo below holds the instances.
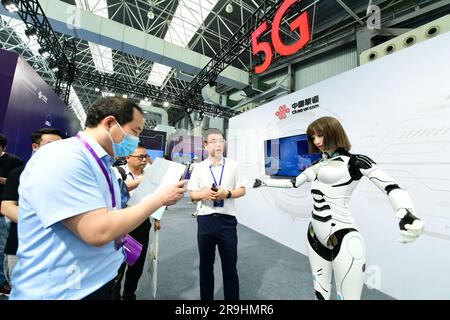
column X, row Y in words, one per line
column 217, row 203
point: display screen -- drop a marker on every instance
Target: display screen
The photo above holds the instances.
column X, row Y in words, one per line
column 155, row 153
column 182, row 157
column 287, row 156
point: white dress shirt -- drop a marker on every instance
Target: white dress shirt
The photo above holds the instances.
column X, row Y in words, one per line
column 202, row 178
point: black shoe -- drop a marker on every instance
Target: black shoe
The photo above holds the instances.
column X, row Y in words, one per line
column 5, row 289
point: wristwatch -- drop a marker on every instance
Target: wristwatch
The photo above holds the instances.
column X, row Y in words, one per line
column 229, row 194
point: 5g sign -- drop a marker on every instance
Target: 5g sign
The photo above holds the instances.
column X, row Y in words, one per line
column 301, row 23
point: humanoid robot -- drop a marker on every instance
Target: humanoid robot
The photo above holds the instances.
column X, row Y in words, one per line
column 334, row 242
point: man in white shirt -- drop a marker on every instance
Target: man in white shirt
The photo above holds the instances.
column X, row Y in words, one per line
column 216, row 182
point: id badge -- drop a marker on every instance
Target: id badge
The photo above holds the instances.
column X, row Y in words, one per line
column 218, row 204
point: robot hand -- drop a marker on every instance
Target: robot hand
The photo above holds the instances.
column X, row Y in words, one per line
column 258, row 183
column 411, row 227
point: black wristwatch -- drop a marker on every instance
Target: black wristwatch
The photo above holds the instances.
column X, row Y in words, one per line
column 229, row 194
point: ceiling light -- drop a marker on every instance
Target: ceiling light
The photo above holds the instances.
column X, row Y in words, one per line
column 54, row 66
column 150, row 14
column 10, row 5
column 165, row 104
column 97, row 90
column 229, row 7
column 137, row 71
column 44, row 53
column 124, row 96
column 31, row 33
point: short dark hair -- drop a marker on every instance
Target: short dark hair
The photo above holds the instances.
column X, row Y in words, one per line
column 334, row 135
column 37, row 135
column 141, row 145
column 211, row 131
column 120, row 108
column 3, row 141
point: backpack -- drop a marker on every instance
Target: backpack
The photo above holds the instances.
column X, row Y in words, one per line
column 124, row 193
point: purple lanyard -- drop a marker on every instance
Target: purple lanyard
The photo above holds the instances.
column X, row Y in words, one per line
column 102, row 166
column 221, row 174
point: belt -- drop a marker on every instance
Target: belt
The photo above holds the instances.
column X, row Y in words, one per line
column 215, row 214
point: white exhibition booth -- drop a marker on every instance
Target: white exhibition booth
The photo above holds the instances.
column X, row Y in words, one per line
column 395, row 110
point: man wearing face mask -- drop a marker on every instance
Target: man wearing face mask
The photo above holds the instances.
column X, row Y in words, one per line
column 69, row 216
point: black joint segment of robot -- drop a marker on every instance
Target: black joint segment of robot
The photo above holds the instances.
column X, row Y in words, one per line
column 391, row 187
column 407, row 219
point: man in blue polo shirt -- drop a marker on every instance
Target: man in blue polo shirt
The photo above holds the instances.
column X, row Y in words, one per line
column 69, row 208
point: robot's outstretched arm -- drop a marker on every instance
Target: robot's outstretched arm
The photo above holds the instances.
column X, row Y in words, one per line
column 307, row 175
column 411, row 226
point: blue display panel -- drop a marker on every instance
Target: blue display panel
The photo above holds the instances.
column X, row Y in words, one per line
column 287, row 156
column 155, row 153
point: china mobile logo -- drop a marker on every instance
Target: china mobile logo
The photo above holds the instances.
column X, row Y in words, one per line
column 282, row 112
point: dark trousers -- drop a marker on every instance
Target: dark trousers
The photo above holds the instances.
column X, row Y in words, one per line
column 220, row 230
column 133, row 273
column 103, row 293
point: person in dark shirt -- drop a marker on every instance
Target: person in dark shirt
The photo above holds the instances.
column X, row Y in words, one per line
column 10, row 199
column 7, row 163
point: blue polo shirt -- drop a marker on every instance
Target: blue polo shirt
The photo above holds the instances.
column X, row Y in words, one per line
column 60, row 181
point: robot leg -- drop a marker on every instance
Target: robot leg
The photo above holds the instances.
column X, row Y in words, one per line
column 321, row 265
column 349, row 264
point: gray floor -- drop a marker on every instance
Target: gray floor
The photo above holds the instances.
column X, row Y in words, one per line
column 267, row 269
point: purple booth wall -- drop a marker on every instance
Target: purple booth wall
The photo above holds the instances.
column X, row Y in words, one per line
column 32, row 105
column 8, row 62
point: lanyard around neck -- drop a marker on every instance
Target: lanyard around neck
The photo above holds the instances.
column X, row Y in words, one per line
column 102, row 166
column 221, row 174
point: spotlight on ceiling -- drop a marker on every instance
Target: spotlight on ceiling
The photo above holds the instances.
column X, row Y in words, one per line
column 45, row 53
column 229, row 7
column 97, row 90
column 10, row 5
column 166, row 104
column 31, row 33
column 54, row 66
column 125, row 96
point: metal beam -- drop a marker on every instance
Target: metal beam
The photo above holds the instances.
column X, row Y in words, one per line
column 81, row 24
column 143, row 91
column 32, row 14
column 232, row 49
column 350, row 11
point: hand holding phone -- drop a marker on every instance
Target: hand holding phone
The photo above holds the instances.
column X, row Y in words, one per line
column 217, row 203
